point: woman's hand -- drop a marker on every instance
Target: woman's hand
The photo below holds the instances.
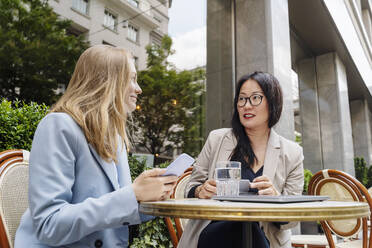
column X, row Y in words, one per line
column 264, row 186
column 151, row 186
column 206, row 190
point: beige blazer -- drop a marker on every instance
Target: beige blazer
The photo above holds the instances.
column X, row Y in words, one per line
column 283, row 165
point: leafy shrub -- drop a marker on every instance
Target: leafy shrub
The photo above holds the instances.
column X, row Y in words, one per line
column 362, row 172
column 369, row 177
column 307, row 176
column 136, row 166
column 153, row 233
column 18, row 122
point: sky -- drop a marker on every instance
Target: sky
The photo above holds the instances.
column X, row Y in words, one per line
column 187, row 27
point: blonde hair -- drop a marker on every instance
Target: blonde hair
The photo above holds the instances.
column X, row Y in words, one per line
column 95, row 98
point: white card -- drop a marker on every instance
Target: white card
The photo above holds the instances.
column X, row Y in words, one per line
column 178, row 166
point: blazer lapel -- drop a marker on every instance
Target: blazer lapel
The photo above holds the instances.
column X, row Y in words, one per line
column 227, row 146
column 224, row 150
column 124, row 176
column 272, row 155
column 108, row 168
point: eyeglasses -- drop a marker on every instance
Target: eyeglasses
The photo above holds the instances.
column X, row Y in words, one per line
column 254, row 100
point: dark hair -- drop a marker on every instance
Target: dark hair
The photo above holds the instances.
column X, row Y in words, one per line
column 273, row 93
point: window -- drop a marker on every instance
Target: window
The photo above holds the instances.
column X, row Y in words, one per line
column 132, row 33
column 155, row 41
column 107, row 43
column 134, row 3
column 81, row 6
column 157, row 18
column 110, row 20
column 155, row 38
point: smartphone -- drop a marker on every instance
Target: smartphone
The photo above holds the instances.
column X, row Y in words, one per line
column 179, row 165
column 244, row 185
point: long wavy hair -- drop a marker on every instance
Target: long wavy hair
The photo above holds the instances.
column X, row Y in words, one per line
column 95, row 98
column 273, row 93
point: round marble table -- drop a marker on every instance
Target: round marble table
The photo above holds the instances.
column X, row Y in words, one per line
column 248, row 212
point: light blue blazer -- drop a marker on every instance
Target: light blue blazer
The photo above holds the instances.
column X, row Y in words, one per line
column 76, row 199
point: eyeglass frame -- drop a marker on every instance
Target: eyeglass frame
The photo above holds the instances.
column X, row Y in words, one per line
column 249, row 99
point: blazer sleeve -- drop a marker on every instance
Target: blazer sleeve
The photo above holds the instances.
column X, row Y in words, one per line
column 57, row 221
column 295, row 180
column 201, row 166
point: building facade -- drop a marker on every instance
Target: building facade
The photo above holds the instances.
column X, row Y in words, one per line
column 327, row 43
column 132, row 24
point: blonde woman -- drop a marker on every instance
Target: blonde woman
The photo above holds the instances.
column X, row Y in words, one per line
column 80, row 190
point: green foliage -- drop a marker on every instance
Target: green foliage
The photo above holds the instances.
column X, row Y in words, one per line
column 136, row 166
column 170, row 105
column 369, row 177
column 153, row 233
column 362, row 172
column 298, row 139
column 307, row 176
column 36, row 53
column 18, row 123
column 360, row 169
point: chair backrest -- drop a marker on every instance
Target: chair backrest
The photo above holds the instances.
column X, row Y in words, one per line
column 13, row 193
column 340, row 186
column 178, row 193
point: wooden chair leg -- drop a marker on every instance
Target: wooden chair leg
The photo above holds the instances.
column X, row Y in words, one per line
column 328, row 234
column 171, row 230
column 298, row 245
column 177, row 221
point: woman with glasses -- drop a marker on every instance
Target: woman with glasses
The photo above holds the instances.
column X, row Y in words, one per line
column 272, row 163
column 80, row 189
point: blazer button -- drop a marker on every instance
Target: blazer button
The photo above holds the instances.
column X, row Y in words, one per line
column 98, row 243
column 125, row 223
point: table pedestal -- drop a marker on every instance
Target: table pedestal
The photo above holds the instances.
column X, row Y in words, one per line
column 247, row 234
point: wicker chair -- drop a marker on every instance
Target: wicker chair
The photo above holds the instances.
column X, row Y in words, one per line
column 339, row 185
column 179, row 193
column 13, row 193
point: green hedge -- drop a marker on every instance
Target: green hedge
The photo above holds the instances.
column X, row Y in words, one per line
column 362, row 172
column 307, row 176
column 18, row 122
column 153, row 233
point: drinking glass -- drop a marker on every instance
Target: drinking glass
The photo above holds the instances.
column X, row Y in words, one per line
column 227, row 178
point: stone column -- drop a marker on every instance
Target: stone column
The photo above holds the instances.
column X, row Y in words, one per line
column 309, row 112
column 263, row 44
column 220, row 68
column 361, row 125
column 325, row 113
column 334, row 111
column 367, row 23
column 244, row 36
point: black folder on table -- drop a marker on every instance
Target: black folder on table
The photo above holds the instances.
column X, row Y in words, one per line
column 271, row 199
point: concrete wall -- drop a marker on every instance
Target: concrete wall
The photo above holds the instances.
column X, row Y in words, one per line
column 361, row 124
column 325, row 114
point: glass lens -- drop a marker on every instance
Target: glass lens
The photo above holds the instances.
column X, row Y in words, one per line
column 241, row 101
column 256, row 99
